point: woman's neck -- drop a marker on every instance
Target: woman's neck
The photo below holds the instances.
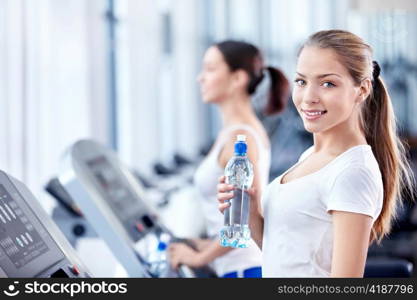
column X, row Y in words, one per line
column 237, row 110
column 339, row 138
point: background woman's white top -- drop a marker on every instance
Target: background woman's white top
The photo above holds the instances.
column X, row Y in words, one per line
column 298, row 237
column 206, row 180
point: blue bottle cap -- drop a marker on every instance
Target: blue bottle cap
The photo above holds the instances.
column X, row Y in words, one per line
column 240, row 145
column 162, row 246
column 240, row 148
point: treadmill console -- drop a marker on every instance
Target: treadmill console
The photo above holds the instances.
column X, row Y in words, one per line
column 130, row 212
column 30, row 244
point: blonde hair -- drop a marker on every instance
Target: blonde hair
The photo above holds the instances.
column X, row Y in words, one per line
column 377, row 121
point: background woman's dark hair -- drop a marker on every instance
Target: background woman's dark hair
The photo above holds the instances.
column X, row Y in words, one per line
column 247, row 57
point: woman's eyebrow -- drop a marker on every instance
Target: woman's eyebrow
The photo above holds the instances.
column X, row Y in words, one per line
column 329, row 74
column 321, row 75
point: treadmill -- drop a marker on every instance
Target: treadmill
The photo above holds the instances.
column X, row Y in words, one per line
column 113, row 202
column 31, row 245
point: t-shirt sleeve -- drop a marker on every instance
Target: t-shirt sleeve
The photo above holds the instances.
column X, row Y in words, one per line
column 356, row 190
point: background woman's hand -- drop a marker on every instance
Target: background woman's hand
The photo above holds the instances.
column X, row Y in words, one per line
column 201, row 244
column 181, row 254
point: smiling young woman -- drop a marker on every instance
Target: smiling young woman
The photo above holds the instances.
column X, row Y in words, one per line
column 319, row 217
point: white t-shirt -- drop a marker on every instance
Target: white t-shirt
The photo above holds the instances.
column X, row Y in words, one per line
column 298, row 231
column 206, row 180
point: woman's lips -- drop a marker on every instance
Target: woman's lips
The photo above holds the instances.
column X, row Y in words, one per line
column 313, row 114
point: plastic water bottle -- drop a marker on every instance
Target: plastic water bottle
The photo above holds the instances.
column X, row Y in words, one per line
column 239, row 173
column 158, row 263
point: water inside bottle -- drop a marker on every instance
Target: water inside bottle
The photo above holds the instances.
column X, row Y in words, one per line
column 236, row 232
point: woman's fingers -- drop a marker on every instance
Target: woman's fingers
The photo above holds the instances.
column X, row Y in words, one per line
column 224, row 188
column 222, row 197
column 252, row 192
column 223, row 206
column 224, row 193
column 174, row 262
column 173, row 258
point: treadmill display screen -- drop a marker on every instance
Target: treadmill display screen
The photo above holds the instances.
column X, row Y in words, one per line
column 121, row 199
column 19, row 239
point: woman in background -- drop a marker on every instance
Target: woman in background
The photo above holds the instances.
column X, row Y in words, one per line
column 231, row 72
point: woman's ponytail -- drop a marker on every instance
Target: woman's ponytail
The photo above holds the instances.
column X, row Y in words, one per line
column 380, row 130
column 279, row 91
column 247, row 57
